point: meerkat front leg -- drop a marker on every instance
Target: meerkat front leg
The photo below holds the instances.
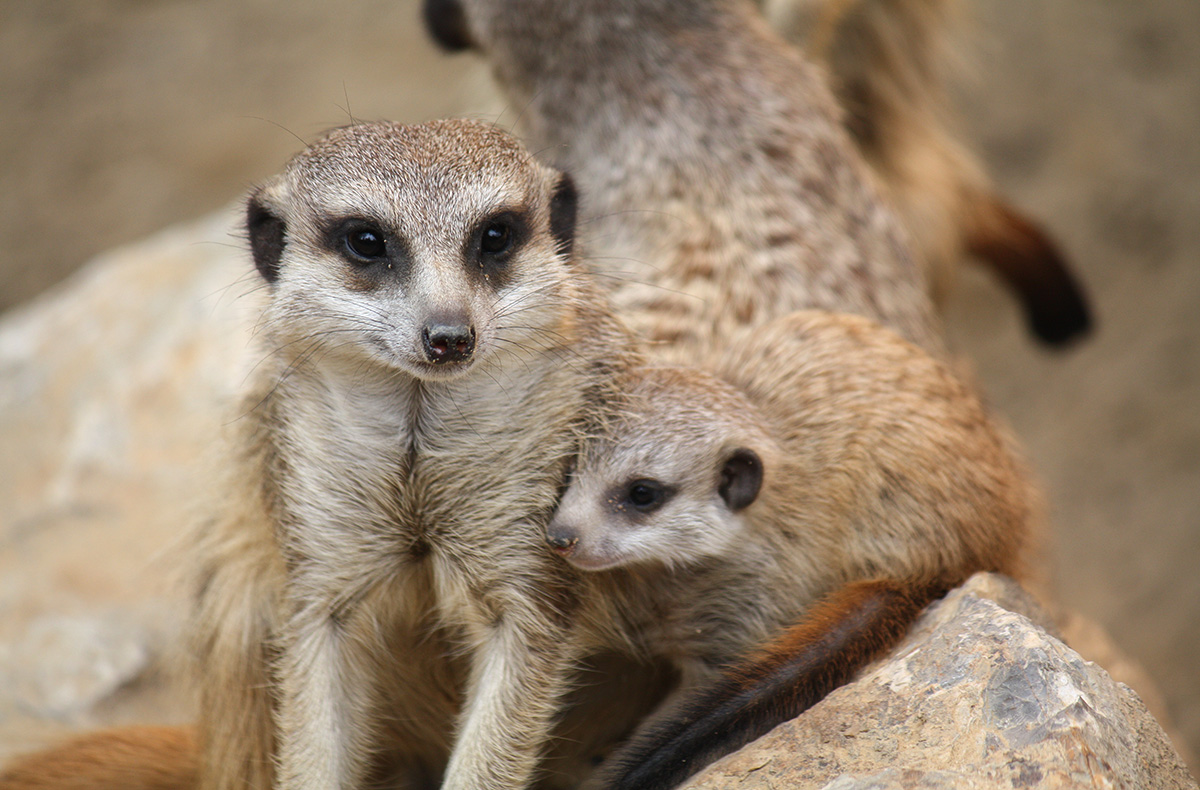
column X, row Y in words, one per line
column 326, row 687
column 518, row 677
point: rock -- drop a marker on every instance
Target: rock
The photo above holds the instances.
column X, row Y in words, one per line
column 978, row 696
column 64, row 665
column 112, row 387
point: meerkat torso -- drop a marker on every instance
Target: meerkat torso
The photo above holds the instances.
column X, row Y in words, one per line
column 433, row 357
column 720, row 189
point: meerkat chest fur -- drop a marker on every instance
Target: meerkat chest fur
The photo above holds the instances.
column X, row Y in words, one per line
column 406, row 461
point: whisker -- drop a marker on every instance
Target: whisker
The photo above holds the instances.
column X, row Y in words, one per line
column 303, row 142
column 528, row 104
column 625, row 212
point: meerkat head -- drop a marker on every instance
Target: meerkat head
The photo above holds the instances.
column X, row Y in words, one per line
column 670, row 479
column 513, row 32
column 427, row 248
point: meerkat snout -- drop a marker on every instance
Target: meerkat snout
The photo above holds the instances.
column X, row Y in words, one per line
column 562, row 539
column 447, row 339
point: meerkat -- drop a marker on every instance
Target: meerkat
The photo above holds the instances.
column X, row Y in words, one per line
column 721, row 189
column 823, row 454
column 377, row 591
column 887, row 62
column 375, row 602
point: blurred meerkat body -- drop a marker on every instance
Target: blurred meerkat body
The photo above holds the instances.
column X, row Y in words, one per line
column 824, row 452
column 719, row 186
column 888, row 62
column 378, row 594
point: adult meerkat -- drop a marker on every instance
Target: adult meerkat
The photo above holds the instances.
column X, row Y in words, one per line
column 826, row 455
column 377, row 591
column 374, row 598
column 887, row 62
column 715, row 170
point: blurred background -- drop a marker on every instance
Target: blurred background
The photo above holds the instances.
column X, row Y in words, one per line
column 119, row 117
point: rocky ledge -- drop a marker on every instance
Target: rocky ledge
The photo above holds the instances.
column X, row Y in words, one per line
column 980, row 695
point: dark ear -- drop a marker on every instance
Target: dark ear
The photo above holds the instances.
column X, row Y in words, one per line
column 741, row 478
column 446, row 22
column 563, row 208
column 266, row 233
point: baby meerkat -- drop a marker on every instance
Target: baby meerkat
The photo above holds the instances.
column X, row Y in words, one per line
column 825, row 451
column 715, row 171
column 377, row 588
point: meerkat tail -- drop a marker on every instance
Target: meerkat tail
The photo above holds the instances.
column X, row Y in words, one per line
column 838, row 636
column 1056, row 307
column 128, row 758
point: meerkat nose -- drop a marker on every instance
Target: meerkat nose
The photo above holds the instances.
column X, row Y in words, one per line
column 562, row 541
column 448, row 341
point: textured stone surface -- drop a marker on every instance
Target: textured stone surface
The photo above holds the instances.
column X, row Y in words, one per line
column 978, row 696
column 65, row 665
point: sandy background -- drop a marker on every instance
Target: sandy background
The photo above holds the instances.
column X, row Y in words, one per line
column 120, row 117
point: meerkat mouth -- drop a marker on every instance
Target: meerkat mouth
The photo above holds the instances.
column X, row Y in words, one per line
column 593, row 560
column 438, row 371
column 419, row 366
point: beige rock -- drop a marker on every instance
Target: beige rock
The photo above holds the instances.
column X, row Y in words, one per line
column 111, row 389
column 65, row 665
column 977, row 697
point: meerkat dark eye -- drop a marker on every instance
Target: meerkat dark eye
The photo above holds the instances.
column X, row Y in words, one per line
column 646, row 495
column 496, row 238
column 366, row 243
column 494, row 242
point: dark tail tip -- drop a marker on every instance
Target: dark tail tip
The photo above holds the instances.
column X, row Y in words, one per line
column 1023, row 255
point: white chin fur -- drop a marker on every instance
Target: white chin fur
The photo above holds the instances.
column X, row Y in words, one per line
column 592, row 562
column 415, row 365
column 426, row 371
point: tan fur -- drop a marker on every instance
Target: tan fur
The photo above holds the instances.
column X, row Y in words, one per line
column 888, row 62
column 133, row 758
column 720, row 188
column 398, row 519
column 877, row 462
column 377, row 581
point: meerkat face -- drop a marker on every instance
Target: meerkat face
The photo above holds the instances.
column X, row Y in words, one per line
column 668, row 484
column 427, row 248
